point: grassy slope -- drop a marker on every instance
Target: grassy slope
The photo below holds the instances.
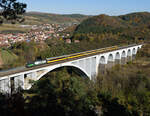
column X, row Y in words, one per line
column 13, row 28
column 7, row 56
column 1, row 61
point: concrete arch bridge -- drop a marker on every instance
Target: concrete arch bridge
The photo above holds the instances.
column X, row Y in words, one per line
column 88, row 62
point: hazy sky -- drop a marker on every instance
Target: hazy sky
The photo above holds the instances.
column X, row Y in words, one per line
column 89, row 7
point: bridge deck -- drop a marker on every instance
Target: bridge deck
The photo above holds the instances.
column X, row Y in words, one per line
column 71, row 57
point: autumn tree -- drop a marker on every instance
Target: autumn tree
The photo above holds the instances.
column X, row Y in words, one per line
column 12, row 10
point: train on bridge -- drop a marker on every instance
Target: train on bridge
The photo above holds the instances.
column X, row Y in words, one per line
column 87, row 62
column 71, row 56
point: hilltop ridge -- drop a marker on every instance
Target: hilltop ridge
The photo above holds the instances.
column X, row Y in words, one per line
column 130, row 26
column 40, row 17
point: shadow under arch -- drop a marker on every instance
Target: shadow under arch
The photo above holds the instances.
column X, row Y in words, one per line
column 79, row 69
column 71, row 70
column 74, row 69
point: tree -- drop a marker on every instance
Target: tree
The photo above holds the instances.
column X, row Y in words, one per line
column 59, row 93
column 111, row 106
column 11, row 10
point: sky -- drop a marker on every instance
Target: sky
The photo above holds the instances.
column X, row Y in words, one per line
column 88, row 7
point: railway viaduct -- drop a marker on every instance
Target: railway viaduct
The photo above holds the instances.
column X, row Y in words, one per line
column 88, row 65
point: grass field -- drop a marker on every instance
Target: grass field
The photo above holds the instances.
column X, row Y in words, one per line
column 13, row 28
column 7, row 56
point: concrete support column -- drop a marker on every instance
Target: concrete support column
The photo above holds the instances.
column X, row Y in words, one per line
column 118, row 58
column 129, row 58
column 97, row 65
column 1, row 85
column 30, row 77
column 123, row 60
column 110, row 64
column 118, row 61
column 133, row 56
column 5, row 86
column 27, row 79
column 93, row 68
column 90, row 67
column 129, row 55
column 102, row 64
column 19, row 82
column 102, row 68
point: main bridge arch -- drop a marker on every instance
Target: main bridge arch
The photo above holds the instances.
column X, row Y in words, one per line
column 50, row 69
column 61, row 66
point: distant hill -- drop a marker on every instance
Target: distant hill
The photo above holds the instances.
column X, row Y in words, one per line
column 100, row 24
column 136, row 19
column 39, row 18
column 132, row 26
column 35, row 18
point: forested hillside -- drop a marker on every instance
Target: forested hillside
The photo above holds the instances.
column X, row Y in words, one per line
column 133, row 27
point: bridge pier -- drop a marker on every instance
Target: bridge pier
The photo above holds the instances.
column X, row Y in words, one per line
column 93, row 68
column 29, row 78
column 88, row 67
column 118, row 61
column 133, row 56
column 5, row 86
column 117, row 58
column 17, row 82
column 123, row 60
column 110, row 64
column 102, row 68
column 129, row 58
column 102, row 64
